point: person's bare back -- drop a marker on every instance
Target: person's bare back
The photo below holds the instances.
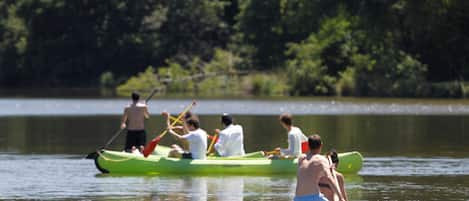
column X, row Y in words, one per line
column 134, row 121
column 311, row 168
column 135, row 115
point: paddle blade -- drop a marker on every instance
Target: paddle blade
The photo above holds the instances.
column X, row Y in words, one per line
column 92, row 155
column 151, row 146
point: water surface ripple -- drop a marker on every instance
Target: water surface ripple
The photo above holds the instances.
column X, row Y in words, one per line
column 404, row 166
column 70, row 177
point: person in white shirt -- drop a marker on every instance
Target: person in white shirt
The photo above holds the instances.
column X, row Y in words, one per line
column 295, row 137
column 230, row 140
column 196, row 137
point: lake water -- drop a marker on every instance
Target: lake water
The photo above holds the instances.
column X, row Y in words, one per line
column 414, row 150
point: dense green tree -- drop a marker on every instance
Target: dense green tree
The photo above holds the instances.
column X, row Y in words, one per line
column 408, row 47
column 193, row 28
column 13, row 43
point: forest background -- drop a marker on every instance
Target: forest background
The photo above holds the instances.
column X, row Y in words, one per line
column 393, row 48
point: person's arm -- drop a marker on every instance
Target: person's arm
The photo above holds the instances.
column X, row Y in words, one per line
column 145, row 112
column 220, row 145
column 291, row 144
column 124, row 119
column 167, row 116
column 341, row 180
column 331, row 180
column 179, row 137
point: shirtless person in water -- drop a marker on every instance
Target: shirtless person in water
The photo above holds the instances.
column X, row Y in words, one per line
column 134, row 120
column 311, row 168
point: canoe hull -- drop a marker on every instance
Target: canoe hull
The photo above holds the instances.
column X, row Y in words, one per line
column 126, row 163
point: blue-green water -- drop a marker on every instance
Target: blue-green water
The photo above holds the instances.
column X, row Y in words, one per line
column 409, row 155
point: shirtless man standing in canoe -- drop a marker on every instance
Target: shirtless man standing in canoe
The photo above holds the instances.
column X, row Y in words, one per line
column 311, row 167
column 134, row 120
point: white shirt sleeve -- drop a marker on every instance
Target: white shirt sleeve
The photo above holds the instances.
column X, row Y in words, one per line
column 303, row 136
column 220, row 146
column 291, row 146
column 188, row 136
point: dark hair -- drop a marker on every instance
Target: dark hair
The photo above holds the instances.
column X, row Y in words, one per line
column 226, row 119
column 193, row 122
column 334, row 157
column 190, row 115
column 135, row 96
column 314, row 142
column 286, row 119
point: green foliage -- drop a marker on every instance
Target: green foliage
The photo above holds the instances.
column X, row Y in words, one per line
column 107, row 80
column 221, row 74
column 193, row 28
column 346, row 85
column 259, row 25
column 306, row 72
column 314, row 62
column 387, row 72
column 13, row 43
column 445, row 90
column 365, row 48
column 223, row 61
column 174, row 77
column 267, row 85
column 144, row 82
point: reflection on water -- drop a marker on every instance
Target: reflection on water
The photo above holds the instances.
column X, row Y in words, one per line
column 199, row 188
column 411, row 136
column 400, row 166
column 70, row 177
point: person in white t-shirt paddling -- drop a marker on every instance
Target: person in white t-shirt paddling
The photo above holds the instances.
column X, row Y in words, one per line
column 196, row 137
column 295, row 137
column 230, row 140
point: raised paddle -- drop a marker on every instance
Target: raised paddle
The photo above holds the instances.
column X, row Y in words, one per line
column 150, row 147
column 94, row 154
column 174, row 119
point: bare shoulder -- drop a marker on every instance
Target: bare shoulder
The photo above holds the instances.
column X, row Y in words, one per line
column 302, row 157
column 126, row 108
column 322, row 160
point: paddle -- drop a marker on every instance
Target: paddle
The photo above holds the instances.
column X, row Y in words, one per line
column 214, row 138
column 94, row 154
column 210, row 137
column 266, row 153
column 175, row 119
column 336, row 183
column 154, row 142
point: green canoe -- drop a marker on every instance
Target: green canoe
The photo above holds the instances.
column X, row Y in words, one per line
column 250, row 164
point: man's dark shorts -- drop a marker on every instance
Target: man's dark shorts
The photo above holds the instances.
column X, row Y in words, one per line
column 187, row 155
column 135, row 138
